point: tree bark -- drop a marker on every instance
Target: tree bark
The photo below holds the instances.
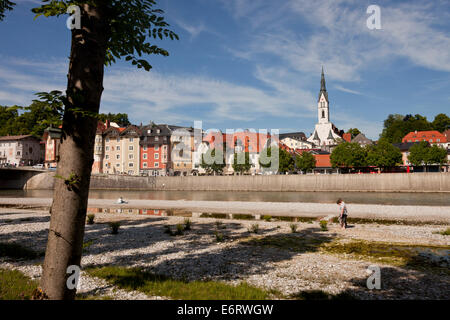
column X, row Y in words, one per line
column 84, row 90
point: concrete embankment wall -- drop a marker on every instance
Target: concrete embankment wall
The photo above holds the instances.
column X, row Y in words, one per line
column 398, row 182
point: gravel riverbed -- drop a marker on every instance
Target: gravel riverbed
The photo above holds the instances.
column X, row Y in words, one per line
column 196, row 255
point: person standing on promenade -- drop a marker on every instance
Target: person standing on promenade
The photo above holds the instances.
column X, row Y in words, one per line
column 342, row 213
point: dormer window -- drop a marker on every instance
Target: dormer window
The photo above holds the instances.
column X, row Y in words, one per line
column 323, row 114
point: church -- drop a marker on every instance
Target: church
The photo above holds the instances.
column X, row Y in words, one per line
column 326, row 135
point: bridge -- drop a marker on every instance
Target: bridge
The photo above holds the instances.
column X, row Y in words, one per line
column 17, row 178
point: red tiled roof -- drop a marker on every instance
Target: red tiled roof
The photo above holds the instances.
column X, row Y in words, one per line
column 430, row 136
column 6, row 138
column 252, row 141
column 347, row 137
column 322, row 160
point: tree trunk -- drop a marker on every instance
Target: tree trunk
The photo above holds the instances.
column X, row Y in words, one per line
column 84, row 90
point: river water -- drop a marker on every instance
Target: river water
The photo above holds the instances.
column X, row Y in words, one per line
column 426, row 199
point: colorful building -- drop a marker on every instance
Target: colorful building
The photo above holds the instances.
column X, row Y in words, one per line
column 23, row 150
column 432, row 137
column 155, row 146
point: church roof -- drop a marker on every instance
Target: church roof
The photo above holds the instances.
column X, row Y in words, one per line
column 316, row 136
column 330, row 136
column 323, row 88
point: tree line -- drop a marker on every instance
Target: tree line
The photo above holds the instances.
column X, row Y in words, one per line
column 34, row 119
column 396, row 126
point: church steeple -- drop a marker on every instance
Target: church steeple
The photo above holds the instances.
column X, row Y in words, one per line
column 323, row 88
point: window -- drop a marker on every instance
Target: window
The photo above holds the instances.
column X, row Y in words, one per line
column 323, row 114
column 117, row 156
column 149, row 131
column 157, row 147
column 107, row 157
column 158, row 131
column 131, row 139
column 156, row 138
column 130, row 148
column 118, row 165
column 107, row 148
column 145, row 164
column 130, row 156
column 131, row 164
column 156, row 155
column 144, row 156
column 107, row 140
column 118, row 139
column 145, row 148
column 156, row 164
column 130, row 172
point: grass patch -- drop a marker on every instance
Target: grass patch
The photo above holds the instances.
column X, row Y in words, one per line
column 243, row 217
column 87, row 244
column 428, row 258
column 446, row 232
column 213, row 215
column 17, row 251
column 292, row 242
column 384, row 222
column 151, row 284
column 323, row 225
column 14, row 285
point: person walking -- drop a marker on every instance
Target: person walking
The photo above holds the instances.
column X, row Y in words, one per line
column 342, row 213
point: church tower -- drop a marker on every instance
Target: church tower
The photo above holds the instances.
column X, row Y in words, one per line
column 323, row 103
column 325, row 133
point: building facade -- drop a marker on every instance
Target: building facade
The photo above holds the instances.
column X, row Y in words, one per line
column 155, row 155
column 23, row 150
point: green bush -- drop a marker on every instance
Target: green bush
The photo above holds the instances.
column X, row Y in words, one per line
column 220, row 225
column 187, row 224
column 90, row 218
column 323, row 225
column 293, row 227
column 114, row 227
column 180, row 229
column 254, row 228
column 267, row 218
column 219, row 236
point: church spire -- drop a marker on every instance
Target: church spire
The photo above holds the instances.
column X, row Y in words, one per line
column 323, row 88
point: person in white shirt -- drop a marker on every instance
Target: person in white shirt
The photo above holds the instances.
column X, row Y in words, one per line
column 342, row 213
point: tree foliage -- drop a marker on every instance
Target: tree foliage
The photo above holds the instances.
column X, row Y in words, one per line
column 441, row 122
column 241, row 162
column 383, row 155
column 5, row 5
column 217, row 166
column 131, row 26
column 354, row 132
column 348, row 155
column 120, row 118
column 286, row 162
column 396, row 126
column 305, row 162
column 422, row 154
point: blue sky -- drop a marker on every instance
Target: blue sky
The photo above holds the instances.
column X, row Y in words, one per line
column 256, row 63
